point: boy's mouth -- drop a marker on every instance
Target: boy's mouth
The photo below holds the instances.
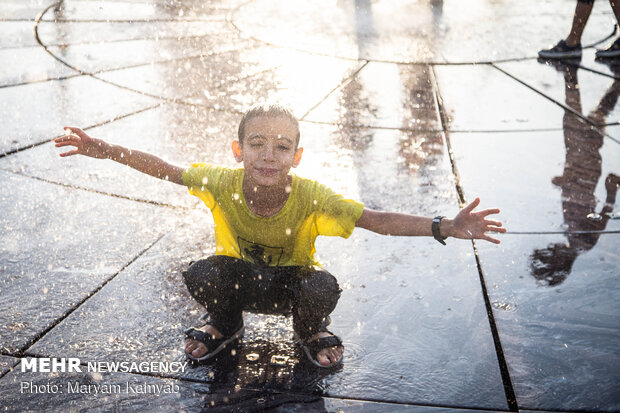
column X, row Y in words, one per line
column 267, row 171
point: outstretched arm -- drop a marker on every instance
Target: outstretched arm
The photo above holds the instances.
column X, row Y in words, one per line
column 466, row 224
column 140, row 161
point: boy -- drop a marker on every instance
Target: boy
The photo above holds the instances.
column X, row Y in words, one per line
column 266, row 222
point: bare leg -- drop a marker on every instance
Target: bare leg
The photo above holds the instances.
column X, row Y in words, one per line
column 582, row 13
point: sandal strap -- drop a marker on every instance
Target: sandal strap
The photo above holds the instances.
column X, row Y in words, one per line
column 205, row 338
column 315, row 346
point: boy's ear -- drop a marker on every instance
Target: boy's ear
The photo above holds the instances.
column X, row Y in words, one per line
column 297, row 157
column 237, row 151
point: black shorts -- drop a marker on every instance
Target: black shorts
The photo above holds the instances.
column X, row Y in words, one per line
column 227, row 286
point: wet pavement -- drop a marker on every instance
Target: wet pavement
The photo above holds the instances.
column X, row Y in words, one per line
column 407, row 106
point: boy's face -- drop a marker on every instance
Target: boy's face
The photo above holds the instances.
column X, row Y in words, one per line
column 269, row 150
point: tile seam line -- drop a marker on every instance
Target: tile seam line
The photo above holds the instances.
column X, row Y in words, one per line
column 105, row 122
column 129, row 21
column 94, row 191
column 346, row 81
column 563, row 106
column 10, row 368
column 509, row 392
column 106, row 42
column 64, row 316
column 132, row 66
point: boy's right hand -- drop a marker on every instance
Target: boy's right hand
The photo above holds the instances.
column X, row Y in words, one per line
column 84, row 144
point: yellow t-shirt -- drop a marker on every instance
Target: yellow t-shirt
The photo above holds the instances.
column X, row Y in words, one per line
column 284, row 239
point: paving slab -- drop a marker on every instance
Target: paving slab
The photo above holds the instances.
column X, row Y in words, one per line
column 17, row 34
column 613, row 132
column 69, row 392
column 6, row 364
column 590, row 94
column 142, row 10
column 29, row 64
column 15, row 9
column 51, row 105
column 58, row 247
column 178, row 133
column 103, row 56
column 383, row 95
column 235, row 80
column 441, row 32
column 542, row 181
column 590, row 62
column 79, row 32
column 481, row 98
column 557, row 308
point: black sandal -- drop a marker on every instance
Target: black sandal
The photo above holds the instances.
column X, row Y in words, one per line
column 313, row 348
column 214, row 345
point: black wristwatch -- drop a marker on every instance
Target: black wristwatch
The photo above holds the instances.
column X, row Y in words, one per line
column 435, row 229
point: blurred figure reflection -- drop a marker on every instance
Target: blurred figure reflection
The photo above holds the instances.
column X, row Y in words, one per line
column 582, row 171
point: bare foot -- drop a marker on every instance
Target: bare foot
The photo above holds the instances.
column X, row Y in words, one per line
column 329, row 355
column 196, row 348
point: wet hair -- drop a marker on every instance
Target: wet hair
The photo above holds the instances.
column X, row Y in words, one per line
column 267, row 109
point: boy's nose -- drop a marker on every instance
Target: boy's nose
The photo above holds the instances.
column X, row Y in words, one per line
column 268, row 153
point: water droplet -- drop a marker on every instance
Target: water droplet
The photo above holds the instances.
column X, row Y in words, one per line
column 288, row 231
column 205, row 180
column 594, row 217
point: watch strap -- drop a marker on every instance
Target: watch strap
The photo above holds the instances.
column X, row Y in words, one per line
column 435, row 229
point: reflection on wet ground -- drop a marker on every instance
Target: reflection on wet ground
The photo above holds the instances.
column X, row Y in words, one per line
column 406, row 106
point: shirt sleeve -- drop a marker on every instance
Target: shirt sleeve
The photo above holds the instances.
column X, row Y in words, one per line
column 201, row 180
column 337, row 215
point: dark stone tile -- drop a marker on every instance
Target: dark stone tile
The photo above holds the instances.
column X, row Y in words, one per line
column 16, row 9
column 414, row 324
column 186, row 78
column 6, row 364
column 95, row 57
column 15, row 34
column 418, row 31
column 237, row 79
column 37, row 112
column 613, row 132
column 58, row 246
column 99, row 392
column 383, row 95
column 481, row 98
column 345, row 405
column 144, row 11
column 68, row 33
column 542, row 181
column 179, row 133
column 589, row 61
column 556, row 304
column 385, row 169
column 29, row 64
column 588, row 93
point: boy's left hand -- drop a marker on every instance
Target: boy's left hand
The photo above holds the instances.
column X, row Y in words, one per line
column 473, row 225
